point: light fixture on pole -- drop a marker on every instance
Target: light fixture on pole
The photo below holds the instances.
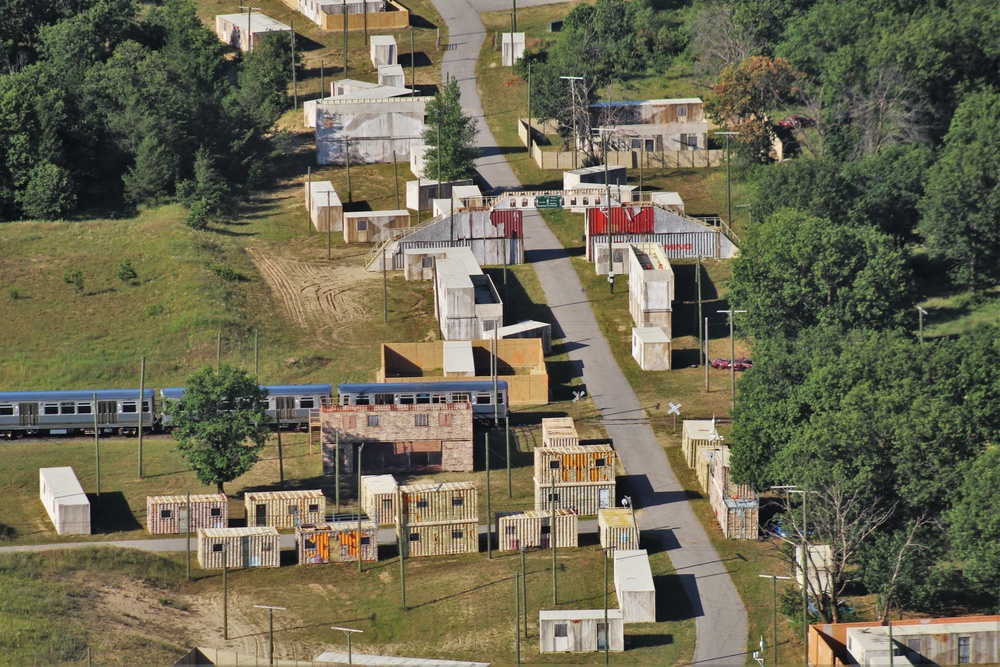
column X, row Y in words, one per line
column 270, row 629
column 729, row 195
column 805, row 562
column 774, row 606
column 348, row 632
column 572, row 87
column 732, row 350
column 920, row 314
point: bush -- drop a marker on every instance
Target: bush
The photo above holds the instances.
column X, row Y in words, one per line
column 198, row 214
column 74, row 277
column 227, row 273
column 14, row 294
column 154, row 310
column 126, row 273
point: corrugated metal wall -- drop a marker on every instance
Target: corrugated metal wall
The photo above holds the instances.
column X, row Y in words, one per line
column 676, row 245
column 571, row 465
column 441, row 539
column 380, row 507
column 619, row 537
column 586, row 498
column 317, row 545
column 200, row 516
column 447, row 504
column 487, row 251
column 624, row 220
column 242, row 551
column 533, row 531
column 278, row 506
column 559, row 432
column 509, row 222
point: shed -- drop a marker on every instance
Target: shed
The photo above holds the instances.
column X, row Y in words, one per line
column 530, row 329
column 233, row 28
column 64, row 500
column 698, row 434
column 650, row 286
column 382, row 50
column 285, row 509
column 513, row 47
column 559, row 432
column 391, row 75
column 238, row 547
column 431, row 503
column 417, row 161
column 370, row 226
column 575, row 464
column 378, row 498
column 169, row 515
column 668, row 200
column 634, row 586
column 618, row 529
column 594, row 175
column 579, row 630
column 651, row 348
column 532, row 529
column 820, row 563
column 421, row 193
column 442, row 538
column 336, row 542
column 325, row 209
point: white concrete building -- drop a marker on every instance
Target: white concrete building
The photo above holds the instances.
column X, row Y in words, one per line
column 370, row 130
column 382, row 50
column 64, row 500
column 579, row 631
column 234, row 28
column 650, row 286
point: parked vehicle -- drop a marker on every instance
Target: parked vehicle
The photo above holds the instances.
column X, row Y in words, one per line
column 740, row 364
column 720, row 363
column 797, row 121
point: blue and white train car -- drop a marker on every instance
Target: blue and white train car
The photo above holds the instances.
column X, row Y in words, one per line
column 287, row 404
column 72, row 412
column 477, row 392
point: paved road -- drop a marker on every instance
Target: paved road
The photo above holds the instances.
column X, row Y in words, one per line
column 721, row 621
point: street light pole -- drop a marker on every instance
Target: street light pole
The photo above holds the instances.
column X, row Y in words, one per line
column 729, row 197
column 805, row 564
column 270, row 629
column 732, row 350
column 774, row 606
column 348, row 632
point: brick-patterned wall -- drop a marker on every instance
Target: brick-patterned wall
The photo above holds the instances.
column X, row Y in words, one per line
column 397, row 442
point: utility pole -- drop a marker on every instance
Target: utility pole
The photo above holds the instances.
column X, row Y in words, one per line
column 552, row 498
column 607, row 630
column 506, row 429
column 295, row 85
column 413, row 71
column 698, row 278
column 513, row 27
column 142, row 393
column 732, row 350
column 395, row 177
column 524, row 591
column 920, row 314
column 572, row 86
column 489, row 507
column 187, row 532
column 270, row 630
column 361, row 448
column 225, row 591
column 345, row 38
column 347, row 157
column 805, row 564
column 517, row 615
column 322, row 81
column 309, row 204
column 281, row 457
column 707, row 386
column 349, row 632
column 729, row 196
column 97, row 448
column 218, row 352
column 401, row 546
column 774, row 606
column 256, row 354
column 329, row 227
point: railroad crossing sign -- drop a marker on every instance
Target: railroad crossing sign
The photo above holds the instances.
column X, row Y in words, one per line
column 577, row 395
column 675, row 409
column 548, row 201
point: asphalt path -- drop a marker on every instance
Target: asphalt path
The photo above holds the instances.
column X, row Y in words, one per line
column 665, row 514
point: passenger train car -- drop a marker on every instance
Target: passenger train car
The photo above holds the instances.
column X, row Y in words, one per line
column 288, row 405
column 73, row 412
column 478, row 392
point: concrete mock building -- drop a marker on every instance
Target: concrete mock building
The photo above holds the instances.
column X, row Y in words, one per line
column 650, row 286
column 391, row 76
column 370, row 131
column 233, row 29
column 651, row 348
column 467, row 307
column 579, row 631
column 64, row 500
column 634, row 586
column 512, row 45
column 382, row 50
column 323, row 204
column 654, row 125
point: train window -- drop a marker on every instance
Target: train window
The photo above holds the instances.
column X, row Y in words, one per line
column 599, row 463
column 216, row 511
column 385, row 399
column 164, row 514
column 365, row 541
column 510, row 530
column 67, row 408
column 309, row 544
column 423, row 398
column 553, row 464
column 373, row 420
column 50, row 409
column 84, row 408
column 461, row 397
column 434, row 458
column 145, row 406
column 6, row 410
column 129, row 406
column 482, row 398
column 500, row 397
column 439, row 398
column 406, row 399
column 421, row 420
column 361, row 399
column 307, row 402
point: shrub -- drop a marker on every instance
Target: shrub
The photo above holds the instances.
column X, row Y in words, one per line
column 226, row 273
column 14, row 294
column 154, row 310
column 74, row 277
column 126, row 273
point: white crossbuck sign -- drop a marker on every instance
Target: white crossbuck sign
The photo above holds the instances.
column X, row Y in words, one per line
column 675, row 409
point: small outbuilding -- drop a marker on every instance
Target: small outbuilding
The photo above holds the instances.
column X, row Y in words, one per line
column 617, row 528
column 370, row 226
column 696, row 435
column 634, row 586
column 584, row 478
column 233, row 29
column 595, row 175
column 336, row 542
column 391, row 75
column 285, row 509
column 736, row 506
column 650, row 286
column 559, row 432
column 532, row 529
column 64, row 500
column 530, row 329
column 170, row 515
column 382, row 50
column 238, row 547
column 378, row 498
column 325, row 209
column 439, row 519
column 513, row 47
column 651, row 348
column 579, row 631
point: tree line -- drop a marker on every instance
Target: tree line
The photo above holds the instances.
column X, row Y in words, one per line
column 893, row 436
column 103, row 106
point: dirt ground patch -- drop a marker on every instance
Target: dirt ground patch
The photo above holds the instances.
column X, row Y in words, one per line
column 316, row 294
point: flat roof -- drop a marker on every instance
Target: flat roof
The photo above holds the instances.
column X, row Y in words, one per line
column 463, row 254
column 238, row 532
column 258, row 22
column 200, row 498
column 382, row 40
column 575, row 449
column 65, row 487
column 616, row 517
column 632, row 572
column 451, row 274
column 435, row 488
column 466, row 191
column 75, row 395
column 578, row 614
column 651, row 334
column 449, row 384
column 375, row 214
column 392, row 661
column 457, row 357
column 380, row 483
column 657, row 102
column 597, row 168
column 284, row 495
column 375, row 92
column 390, row 70
column 335, row 526
column 536, row 514
column 700, row 429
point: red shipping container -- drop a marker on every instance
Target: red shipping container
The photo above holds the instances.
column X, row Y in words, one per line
column 624, row 220
column 511, row 220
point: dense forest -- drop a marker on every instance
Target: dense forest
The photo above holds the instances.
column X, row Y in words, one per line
column 893, row 199
column 106, row 104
